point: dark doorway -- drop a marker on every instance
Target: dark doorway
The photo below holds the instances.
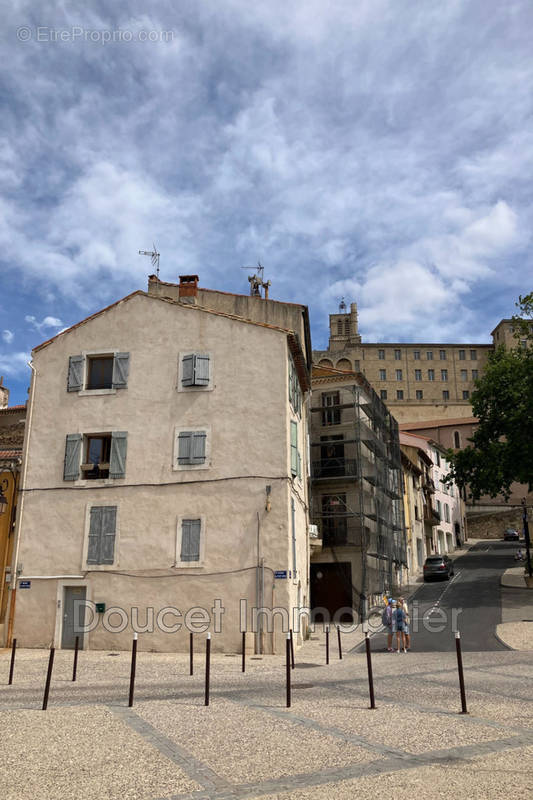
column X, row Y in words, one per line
column 331, row 588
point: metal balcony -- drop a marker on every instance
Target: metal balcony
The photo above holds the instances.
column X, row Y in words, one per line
column 334, row 468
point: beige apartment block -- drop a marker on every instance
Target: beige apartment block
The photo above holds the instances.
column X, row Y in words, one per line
column 419, row 381
column 165, row 486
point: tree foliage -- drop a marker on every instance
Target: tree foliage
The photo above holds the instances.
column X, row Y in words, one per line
column 501, row 449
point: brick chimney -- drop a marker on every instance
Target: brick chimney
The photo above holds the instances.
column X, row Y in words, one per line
column 188, row 288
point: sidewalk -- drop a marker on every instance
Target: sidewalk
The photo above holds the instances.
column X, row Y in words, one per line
column 516, row 628
column 247, row 744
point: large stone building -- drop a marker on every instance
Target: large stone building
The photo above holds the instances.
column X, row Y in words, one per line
column 419, row 381
column 173, row 481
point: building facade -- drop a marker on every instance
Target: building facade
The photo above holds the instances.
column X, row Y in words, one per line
column 356, row 496
column 419, row 381
column 170, row 493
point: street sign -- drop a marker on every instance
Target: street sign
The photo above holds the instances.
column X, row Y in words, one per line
column 24, row 584
column 280, row 573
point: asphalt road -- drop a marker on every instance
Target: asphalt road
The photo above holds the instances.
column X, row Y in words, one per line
column 469, row 602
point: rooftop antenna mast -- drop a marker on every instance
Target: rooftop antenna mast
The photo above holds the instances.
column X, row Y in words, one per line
column 154, row 255
column 256, row 281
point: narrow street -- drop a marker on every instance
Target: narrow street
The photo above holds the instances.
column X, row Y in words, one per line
column 469, row 602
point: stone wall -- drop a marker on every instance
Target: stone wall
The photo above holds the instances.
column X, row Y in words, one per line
column 491, row 525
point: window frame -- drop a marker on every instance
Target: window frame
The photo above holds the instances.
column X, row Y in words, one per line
column 399, row 374
column 179, row 564
column 431, row 375
column 429, row 355
column 110, row 352
column 445, row 395
column 381, row 354
column 416, row 355
column 382, row 394
column 419, row 394
column 397, row 354
column 399, row 394
column 383, row 374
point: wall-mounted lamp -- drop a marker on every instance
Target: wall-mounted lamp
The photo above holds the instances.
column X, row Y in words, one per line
column 268, row 490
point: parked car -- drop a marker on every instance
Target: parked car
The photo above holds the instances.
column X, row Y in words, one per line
column 510, row 535
column 438, row 567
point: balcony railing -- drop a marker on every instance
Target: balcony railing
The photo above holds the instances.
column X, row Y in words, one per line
column 334, row 468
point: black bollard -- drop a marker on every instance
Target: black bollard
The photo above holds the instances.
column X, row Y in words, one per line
column 48, row 678
column 132, row 672
column 288, row 669
column 327, row 644
column 460, row 670
column 369, row 667
column 292, row 649
column 339, row 641
column 207, row 666
column 244, row 651
column 12, row 664
column 191, row 654
column 75, row 665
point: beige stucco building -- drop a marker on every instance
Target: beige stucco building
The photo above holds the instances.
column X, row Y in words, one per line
column 422, row 381
column 166, row 473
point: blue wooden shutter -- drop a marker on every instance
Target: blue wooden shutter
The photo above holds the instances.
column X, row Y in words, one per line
column 198, row 447
column 294, row 448
column 201, row 370
column 117, row 461
column 95, row 535
column 109, row 522
column 71, row 467
column 190, row 540
column 184, row 447
column 121, row 366
column 187, row 374
column 75, row 374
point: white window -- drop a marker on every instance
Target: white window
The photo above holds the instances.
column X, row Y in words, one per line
column 416, row 355
column 190, row 541
column 464, row 375
column 192, row 447
column 383, row 374
column 462, row 355
column 418, row 374
column 397, row 355
column 419, row 394
column 431, row 374
column 399, row 375
column 381, row 355
column 195, row 372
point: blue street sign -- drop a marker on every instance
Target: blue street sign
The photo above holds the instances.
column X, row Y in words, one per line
column 24, row 584
column 280, row 573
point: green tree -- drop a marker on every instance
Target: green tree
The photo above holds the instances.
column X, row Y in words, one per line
column 501, row 449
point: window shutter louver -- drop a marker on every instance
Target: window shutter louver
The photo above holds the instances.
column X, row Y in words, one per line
column 294, row 448
column 75, row 374
column 71, row 469
column 190, row 540
column 121, row 366
column 201, row 370
column 95, row 530
column 198, row 447
column 184, row 447
column 117, row 461
column 108, row 531
column 187, row 375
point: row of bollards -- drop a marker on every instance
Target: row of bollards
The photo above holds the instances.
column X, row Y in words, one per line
column 289, row 666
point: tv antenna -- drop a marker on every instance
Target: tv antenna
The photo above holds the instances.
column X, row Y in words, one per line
column 256, row 281
column 154, row 255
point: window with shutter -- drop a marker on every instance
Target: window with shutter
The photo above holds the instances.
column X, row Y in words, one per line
column 121, row 366
column 190, row 539
column 117, row 460
column 102, row 534
column 191, row 448
column 195, row 369
column 75, row 373
column 71, row 468
column 294, row 448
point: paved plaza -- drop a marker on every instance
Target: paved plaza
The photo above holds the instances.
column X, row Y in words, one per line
column 247, row 744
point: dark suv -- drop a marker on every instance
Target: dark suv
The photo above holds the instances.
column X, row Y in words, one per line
column 438, row 567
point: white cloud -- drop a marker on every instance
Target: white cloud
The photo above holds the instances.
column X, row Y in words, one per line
column 8, row 336
column 48, row 323
column 14, row 364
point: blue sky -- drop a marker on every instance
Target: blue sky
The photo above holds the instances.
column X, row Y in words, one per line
column 380, row 150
